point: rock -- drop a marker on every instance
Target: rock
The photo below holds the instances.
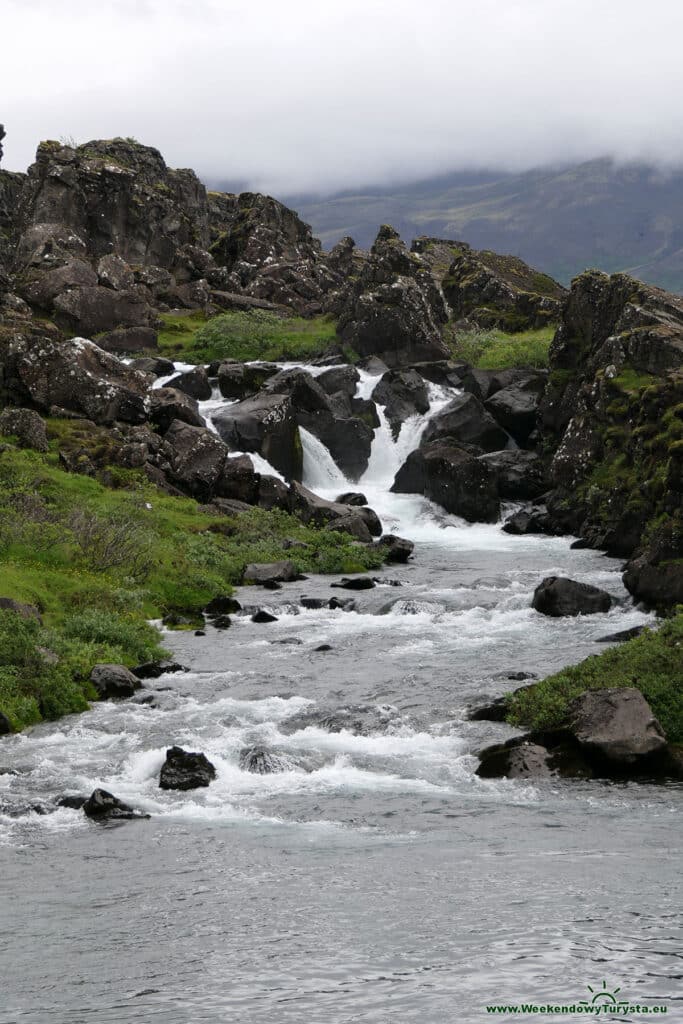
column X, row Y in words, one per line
column 396, row 549
column 272, row 493
column 344, row 604
column 27, row 426
column 198, row 459
column 355, row 583
column 264, row 424
column 403, row 393
column 261, row 761
column 622, row 636
column 393, row 308
column 443, row 371
column 27, row 611
column 557, row 596
column 657, row 583
column 74, row 803
column 193, row 382
column 129, row 339
column 617, row 730
column 515, row 760
column 184, row 769
column 114, row 682
column 516, row 407
column 491, row 290
column 339, row 378
column 5, row 725
column 520, row 475
column 452, row 477
column 221, row 622
column 352, row 498
column 200, row 632
column 169, row 404
column 78, row 376
column 154, row 669
column 222, row 605
column 323, row 647
column 466, row 421
column 313, row 509
column 89, row 310
column 535, row 520
column 156, row 365
column 494, row 711
column 241, row 380
column 104, row 806
column 353, row 525
column 288, row 641
column 262, row 616
column 266, row 572
column 357, row 719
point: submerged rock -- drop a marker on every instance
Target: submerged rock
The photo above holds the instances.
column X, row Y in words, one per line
column 184, row 769
column 154, row 669
column 114, row 682
column 261, row 761
column 262, row 616
column 557, row 596
column 355, row 583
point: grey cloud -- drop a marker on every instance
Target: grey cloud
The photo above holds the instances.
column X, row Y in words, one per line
column 327, row 95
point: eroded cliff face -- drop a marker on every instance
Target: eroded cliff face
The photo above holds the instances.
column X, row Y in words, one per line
column 612, row 420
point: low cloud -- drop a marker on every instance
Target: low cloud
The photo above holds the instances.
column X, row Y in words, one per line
column 296, row 96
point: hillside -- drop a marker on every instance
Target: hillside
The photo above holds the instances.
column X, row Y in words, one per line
column 596, row 214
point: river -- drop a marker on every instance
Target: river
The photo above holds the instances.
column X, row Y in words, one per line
column 377, row 878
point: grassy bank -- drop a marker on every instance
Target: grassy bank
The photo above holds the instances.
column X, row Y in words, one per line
column 652, row 662
column 99, row 561
column 244, row 336
column 496, row 350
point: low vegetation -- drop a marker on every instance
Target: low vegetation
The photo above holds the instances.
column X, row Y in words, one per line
column 99, row 561
column 256, row 334
column 496, row 350
column 652, row 662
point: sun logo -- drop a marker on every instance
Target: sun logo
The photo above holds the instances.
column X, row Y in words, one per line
column 601, row 996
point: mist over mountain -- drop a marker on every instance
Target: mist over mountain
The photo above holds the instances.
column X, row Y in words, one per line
column 595, row 214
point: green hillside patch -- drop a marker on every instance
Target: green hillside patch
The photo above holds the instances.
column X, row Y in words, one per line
column 496, row 350
column 244, row 336
column 98, row 562
column 652, row 662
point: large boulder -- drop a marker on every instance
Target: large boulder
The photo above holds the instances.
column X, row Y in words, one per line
column 129, row 339
column 520, row 475
column 517, row 760
column 403, row 393
column 616, row 729
column 185, row 769
column 193, row 382
column 240, row 380
column 557, row 596
column 198, row 460
column 265, row 424
column 516, row 407
column 452, row 477
column 396, row 549
column 79, row 376
column 337, row 379
column 393, row 307
column 467, row 422
column 166, row 405
column 313, row 509
column 270, row 572
column 90, row 310
column 114, row 682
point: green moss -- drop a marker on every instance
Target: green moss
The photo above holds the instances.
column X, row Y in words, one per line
column 652, row 662
column 631, row 380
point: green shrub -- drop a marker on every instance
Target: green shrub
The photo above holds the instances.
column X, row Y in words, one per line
column 134, row 638
column 652, row 662
column 495, row 350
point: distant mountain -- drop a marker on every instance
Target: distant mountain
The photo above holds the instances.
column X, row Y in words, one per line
column 595, row 214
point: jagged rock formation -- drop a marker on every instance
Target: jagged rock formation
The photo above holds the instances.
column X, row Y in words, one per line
column 393, row 309
column 491, row 290
column 613, row 415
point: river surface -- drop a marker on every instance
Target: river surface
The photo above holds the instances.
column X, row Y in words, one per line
column 377, row 878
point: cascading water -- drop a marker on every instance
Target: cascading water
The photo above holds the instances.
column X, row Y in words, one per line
column 375, row 875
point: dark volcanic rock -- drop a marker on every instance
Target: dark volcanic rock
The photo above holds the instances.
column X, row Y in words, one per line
column 557, row 596
column 114, row 682
column 622, row 636
column 515, row 760
column 396, row 549
column 262, row 616
column 352, row 524
column 520, row 475
column 616, row 729
column 466, row 421
column 495, row 711
column 154, row 669
column 169, row 404
column 452, row 477
column 267, row 572
column 314, row 509
column 339, row 378
column 352, row 498
column 222, row 605
column 198, row 460
column 104, row 806
column 393, row 307
column 355, row 583
column 27, row 611
column 156, row 365
column 403, row 393
column 516, row 407
column 193, row 382
column 534, row 520
column 264, row 424
column 240, row 380
column 184, row 769
column 129, row 339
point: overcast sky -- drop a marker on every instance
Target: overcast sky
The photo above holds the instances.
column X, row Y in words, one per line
column 291, row 95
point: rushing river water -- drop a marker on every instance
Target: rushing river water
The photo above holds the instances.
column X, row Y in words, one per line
column 377, row 879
